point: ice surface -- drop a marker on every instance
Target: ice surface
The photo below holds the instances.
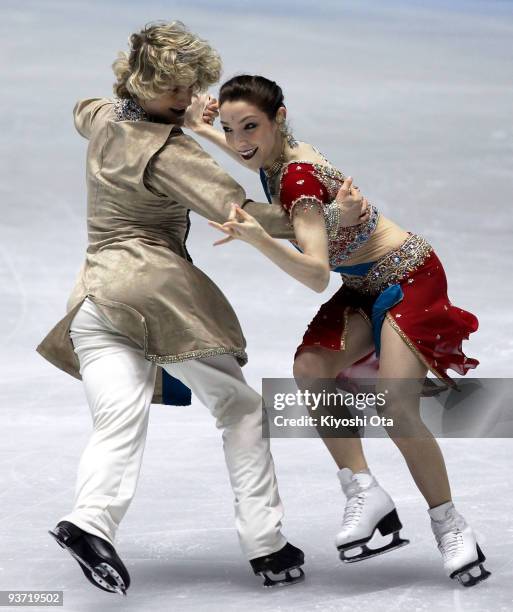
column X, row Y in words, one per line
column 414, row 101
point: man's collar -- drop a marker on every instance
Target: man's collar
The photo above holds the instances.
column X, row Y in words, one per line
column 127, row 109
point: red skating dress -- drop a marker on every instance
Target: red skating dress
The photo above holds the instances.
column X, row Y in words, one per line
column 407, row 285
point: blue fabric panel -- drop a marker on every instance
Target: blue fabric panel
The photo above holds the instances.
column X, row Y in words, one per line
column 358, row 270
column 174, row 392
column 385, row 300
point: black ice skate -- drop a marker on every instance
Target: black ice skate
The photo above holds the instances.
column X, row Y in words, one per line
column 97, row 558
column 280, row 568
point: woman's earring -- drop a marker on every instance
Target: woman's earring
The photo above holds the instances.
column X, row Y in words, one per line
column 287, row 134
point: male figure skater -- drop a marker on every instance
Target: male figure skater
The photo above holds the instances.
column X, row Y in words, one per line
column 139, row 302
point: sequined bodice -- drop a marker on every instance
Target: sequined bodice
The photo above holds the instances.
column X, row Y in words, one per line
column 342, row 241
column 310, row 184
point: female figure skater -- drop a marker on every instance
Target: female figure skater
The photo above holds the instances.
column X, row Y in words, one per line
column 393, row 301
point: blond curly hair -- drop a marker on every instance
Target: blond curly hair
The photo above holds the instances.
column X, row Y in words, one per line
column 162, row 55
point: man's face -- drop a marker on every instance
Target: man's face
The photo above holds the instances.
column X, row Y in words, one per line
column 170, row 107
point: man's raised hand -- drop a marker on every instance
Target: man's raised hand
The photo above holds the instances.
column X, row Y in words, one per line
column 354, row 208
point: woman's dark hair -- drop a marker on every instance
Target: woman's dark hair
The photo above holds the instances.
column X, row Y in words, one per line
column 263, row 93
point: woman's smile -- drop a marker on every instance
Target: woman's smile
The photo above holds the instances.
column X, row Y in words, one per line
column 247, row 154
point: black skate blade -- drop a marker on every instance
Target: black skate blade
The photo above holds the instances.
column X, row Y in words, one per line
column 285, row 578
column 368, row 553
column 96, row 575
column 464, row 575
column 467, row 579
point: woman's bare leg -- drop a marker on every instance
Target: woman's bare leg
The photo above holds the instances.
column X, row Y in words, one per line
column 416, row 443
column 321, row 363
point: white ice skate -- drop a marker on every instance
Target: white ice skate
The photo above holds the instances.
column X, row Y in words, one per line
column 457, row 542
column 368, row 507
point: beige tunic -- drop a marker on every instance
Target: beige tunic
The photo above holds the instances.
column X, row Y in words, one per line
column 142, row 179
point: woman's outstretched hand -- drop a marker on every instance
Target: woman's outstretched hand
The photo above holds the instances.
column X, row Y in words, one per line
column 354, row 208
column 240, row 225
column 202, row 111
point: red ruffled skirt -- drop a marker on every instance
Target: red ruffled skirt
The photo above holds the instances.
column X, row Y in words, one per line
column 423, row 316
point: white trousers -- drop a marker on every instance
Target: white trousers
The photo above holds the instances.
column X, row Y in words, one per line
column 119, row 383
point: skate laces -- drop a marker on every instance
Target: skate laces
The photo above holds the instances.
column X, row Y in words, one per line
column 449, row 534
column 451, row 543
column 353, row 509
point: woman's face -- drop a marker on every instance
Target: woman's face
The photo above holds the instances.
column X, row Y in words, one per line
column 250, row 133
column 170, row 107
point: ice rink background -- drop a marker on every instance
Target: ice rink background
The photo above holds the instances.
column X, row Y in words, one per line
column 413, row 101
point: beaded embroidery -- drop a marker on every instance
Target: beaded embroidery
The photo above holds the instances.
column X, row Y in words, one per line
column 307, row 203
column 127, row 109
column 343, row 241
column 348, row 239
column 392, row 268
column 332, row 219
